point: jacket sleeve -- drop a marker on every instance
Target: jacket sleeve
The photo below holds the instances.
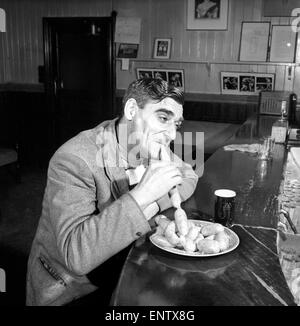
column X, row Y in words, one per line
column 186, row 189
column 86, row 238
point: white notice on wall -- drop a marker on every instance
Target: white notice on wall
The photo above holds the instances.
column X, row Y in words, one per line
column 128, row 30
column 2, row 20
column 124, row 64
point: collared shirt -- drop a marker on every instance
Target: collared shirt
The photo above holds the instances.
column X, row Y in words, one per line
column 134, row 174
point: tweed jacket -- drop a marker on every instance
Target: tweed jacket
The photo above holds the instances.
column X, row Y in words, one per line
column 88, row 215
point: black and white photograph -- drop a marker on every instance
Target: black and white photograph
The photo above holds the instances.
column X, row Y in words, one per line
column 144, row 73
column 149, row 157
column 230, row 82
column 172, row 76
column 160, row 74
column 264, row 83
column 128, row 50
column 162, row 48
column 246, row 83
column 207, row 9
column 207, row 14
column 238, row 83
column 176, row 78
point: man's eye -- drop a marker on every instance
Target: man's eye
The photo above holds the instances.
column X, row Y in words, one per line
column 163, row 119
column 178, row 125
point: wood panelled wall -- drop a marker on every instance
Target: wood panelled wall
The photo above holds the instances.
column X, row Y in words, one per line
column 21, row 47
column 202, row 54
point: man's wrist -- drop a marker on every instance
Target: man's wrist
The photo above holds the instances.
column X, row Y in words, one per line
column 151, row 210
column 141, row 201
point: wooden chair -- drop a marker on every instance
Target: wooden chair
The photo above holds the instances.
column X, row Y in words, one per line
column 270, row 102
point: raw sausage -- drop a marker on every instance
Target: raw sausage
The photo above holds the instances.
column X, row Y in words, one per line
column 207, row 246
column 161, row 241
column 211, row 229
column 181, row 221
column 223, row 240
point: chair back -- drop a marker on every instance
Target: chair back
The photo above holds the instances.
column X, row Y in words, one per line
column 270, row 102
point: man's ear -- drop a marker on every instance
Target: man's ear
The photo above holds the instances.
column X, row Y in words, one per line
column 130, row 109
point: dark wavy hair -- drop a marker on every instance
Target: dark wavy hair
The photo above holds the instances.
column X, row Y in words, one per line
column 144, row 90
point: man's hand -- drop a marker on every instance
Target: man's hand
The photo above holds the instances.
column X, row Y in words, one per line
column 157, row 181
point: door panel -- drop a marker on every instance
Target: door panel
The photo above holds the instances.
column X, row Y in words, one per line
column 80, row 77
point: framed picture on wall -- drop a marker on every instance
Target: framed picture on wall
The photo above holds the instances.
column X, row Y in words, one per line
column 128, row 50
column 176, row 78
column 207, row 14
column 144, row 73
column 254, row 41
column 162, row 48
column 283, row 44
column 160, row 74
column 243, row 83
column 173, row 76
column 229, row 83
column 264, row 82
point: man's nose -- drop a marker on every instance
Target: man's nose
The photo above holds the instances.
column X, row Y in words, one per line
column 171, row 132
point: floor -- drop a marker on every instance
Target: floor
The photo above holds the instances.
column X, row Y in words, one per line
column 20, row 206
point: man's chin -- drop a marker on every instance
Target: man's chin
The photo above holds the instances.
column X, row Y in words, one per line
column 152, row 154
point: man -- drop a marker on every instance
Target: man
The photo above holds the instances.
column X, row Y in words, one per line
column 207, row 9
column 103, row 187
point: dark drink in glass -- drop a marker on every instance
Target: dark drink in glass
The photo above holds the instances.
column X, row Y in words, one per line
column 224, row 206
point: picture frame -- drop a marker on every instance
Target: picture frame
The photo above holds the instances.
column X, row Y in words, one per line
column 173, row 76
column 254, row 41
column 162, row 48
column 158, row 73
column 283, row 44
column 245, row 83
column 144, row 73
column 207, row 14
column 128, row 50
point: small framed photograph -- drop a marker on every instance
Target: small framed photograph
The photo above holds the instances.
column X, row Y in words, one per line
column 144, row 73
column 172, row 76
column 283, row 44
column 207, row 14
column 176, row 78
column 128, row 50
column 242, row 83
column 246, row 83
column 264, row 83
column 229, row 83
column 160, row 74
column 162, row 48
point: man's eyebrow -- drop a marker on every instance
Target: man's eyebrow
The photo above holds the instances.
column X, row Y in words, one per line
column 169, row 113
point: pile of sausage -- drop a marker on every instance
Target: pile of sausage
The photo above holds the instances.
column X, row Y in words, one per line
column 184, row 234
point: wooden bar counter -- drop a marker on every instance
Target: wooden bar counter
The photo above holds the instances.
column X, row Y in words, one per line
column 249, row 275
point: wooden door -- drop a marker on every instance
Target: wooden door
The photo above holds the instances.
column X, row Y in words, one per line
column 79, row 74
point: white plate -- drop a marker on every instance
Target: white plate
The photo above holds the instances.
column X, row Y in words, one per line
column 233, row 243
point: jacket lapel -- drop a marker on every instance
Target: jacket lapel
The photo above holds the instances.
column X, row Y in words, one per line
column 113, row 164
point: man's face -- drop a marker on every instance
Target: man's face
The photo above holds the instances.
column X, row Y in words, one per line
column 156, row 125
